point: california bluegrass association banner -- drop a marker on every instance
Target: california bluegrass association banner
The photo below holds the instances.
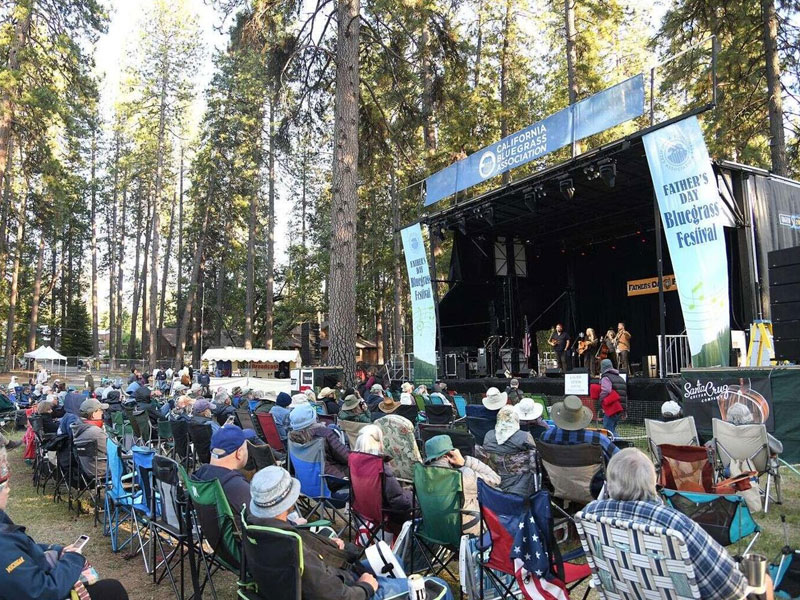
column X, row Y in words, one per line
column 423, row 311
column 693, row 219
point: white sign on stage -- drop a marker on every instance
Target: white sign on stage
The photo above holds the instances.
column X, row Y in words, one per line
column 576, row 384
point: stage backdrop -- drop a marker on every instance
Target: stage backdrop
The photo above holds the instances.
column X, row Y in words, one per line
column 423, row 310
column 693, row 218
column 765, row 390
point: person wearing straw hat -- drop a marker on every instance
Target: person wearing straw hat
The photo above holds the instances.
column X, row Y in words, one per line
column 440, row 452
column 387, row 407
column 572, row 419
column 328, row 397
column 512, row 453
column 354, row 409
column 326, row 573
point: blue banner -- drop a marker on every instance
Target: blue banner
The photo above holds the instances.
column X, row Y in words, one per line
column 605, row 109
column 693, row 218
column 423, row 310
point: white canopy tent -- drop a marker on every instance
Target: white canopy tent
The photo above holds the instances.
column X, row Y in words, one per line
column 46, row 354
column 233, row 353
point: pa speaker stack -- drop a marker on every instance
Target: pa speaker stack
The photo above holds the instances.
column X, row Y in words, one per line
column 784, row 294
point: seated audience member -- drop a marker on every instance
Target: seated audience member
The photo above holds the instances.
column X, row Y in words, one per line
column 511, row 453
column 514, row 393
column 490, row 405
column 31, row 571
column 613, row 395
column 422, row 390
column 572, row 418
column 407, row 387
column 406, row 399
column 387, row 406
column 670, row 411
column 266, row 400
column 182, row 410
column 90, row 428
column 375, row 396
column 228, row 457
column 304, row 428
column 222, row 407
column 148, row 402
column 326, row 573
column 201, row 413
column 439, row 452
column 439, row 393
column 280, row 414
column 740, row 414
column 355, row 409
column 530, row 417
column 49, row 422
column 632, row 496
column 396, row 499
column 328, row 397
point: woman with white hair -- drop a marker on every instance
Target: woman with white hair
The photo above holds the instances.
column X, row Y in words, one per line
column 632, row 496
column 740, row 414
column 511, row 453
column 396, row 499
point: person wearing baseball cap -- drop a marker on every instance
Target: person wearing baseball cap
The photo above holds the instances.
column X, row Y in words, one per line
column 88, row 429
column 202, row 413
column 228, row 457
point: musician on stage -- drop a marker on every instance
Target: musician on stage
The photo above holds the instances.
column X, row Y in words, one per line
column 587, row 348
column 607, row 348
column 623, row 348
column 560, row 342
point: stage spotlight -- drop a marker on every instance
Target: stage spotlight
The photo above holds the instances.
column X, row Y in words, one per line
column 488, row 215
column 567, row 188
column 608, row 172
column 540, row 191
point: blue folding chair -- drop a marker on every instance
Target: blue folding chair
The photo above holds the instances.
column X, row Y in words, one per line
column 124, row 504
column 308, row 463
column 461, row 405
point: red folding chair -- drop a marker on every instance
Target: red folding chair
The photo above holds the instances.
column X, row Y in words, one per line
column 366, row 496
column 268, row 427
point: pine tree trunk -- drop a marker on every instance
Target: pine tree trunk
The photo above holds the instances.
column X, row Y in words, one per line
column 220, row 288
column 428, row 126
column 137, row 285
column 343, row 324
column 153, row 329
column 572, row 56
column 37, row 289
column 93, row 209
column 397, row 319
column 4, row 225
column 476, row 74
column 112, row 258
column 777, row 142
column 379, row 320
column 251, row 272
column 13, row 296
column 197, row 339
column 120, row 261
column 269, row 291
column 143, row 278
column 179, row 278
column 53, row 278
column 504, row 81
column 165, row 273
column 9, row 97
column 180, row 342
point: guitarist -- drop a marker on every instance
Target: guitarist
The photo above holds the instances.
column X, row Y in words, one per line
column 587, row 348
column 560, row 341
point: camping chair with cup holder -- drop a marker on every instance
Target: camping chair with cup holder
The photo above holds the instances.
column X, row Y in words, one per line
column 307, row 462
column 399, row 443
column 200, row 435
column 89, row 483
column 748, row 446
column 42, row 467
column 631, row 560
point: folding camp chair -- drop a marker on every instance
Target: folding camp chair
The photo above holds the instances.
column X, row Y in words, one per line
column 503, row 516
column 351, row 430
column 270, row 431
column 168, row 525
column 399, row 443
column 462, row 439
column 420, row 400
column 88, row 482
column 541, row 399
column 200, row 434
column 42, row 467
column 573, row 470
column 632, row 561
column 439, row 494
column 244, row 418
column 366, row 496
column 479, row 427
column 308, row 463
column 272, row 559
column 259, row 456
column 408, row 411
column 461, row 405
column 142, row 420
column 439, row 414
column 725, row 517
column 215, row 525
column 689, row 468
column 166, row 440
column 180, row 436
column 124, row 502
column 680, row 432
column 749, row 445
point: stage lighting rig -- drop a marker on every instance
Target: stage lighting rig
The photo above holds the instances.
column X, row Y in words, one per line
column 567, row 187
column 608, row 171
column 461, row 225
column 486, row 213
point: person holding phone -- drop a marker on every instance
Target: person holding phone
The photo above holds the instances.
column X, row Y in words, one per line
column 31, row 571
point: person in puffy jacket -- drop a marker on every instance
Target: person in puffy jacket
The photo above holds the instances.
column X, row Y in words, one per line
column 280, row 414
column 304, row 425
column 31, row 571
column 88, row 429
column 396, row 499
column 512, row 453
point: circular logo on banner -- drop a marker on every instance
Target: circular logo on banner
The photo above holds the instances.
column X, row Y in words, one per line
column 488, row 164
column 414, row 243
column 676, row 151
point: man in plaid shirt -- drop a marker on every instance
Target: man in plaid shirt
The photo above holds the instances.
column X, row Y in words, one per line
column 631, row 487
column 571, row 418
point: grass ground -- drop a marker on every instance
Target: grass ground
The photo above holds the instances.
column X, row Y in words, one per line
column 48, row 522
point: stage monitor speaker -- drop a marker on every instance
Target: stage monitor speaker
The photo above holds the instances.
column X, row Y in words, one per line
column 784, row 293
column 786, row 311
column 782, row 258
column 552, row 373
column 788, row 349
column 784, row 275
column 450, row 365
column 461, row 370
column 789, row 292
column 579, row 370
column 481, row 362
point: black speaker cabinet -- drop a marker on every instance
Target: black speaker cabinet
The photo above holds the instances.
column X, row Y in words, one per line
column 784, row 294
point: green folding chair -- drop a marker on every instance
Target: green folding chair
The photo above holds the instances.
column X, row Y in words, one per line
column 214, row 523
column 420, row 400
column 439, row 495
column 541, row 399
